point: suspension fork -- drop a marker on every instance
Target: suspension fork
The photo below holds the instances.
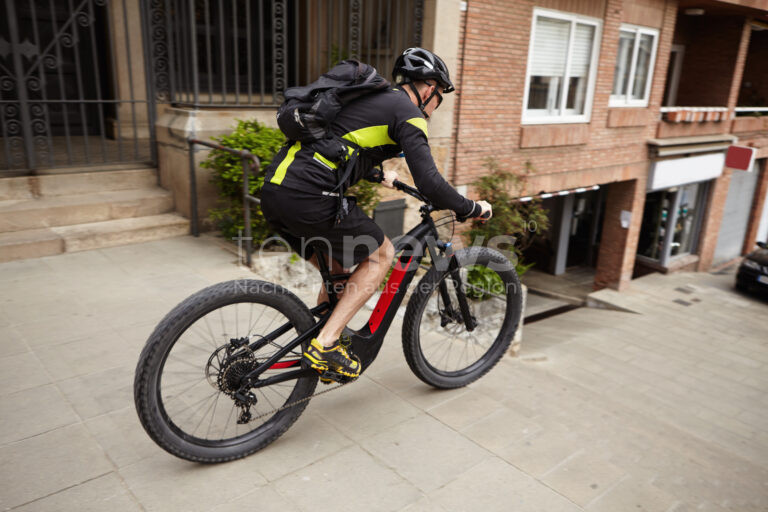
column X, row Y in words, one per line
column 453, row 270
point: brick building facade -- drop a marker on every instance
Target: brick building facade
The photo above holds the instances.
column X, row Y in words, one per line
column 655, row 156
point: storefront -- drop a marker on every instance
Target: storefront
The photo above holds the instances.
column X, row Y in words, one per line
column 674, row 210
column 575, row 221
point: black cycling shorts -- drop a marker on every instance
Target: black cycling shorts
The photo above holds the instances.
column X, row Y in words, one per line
column 308, row 223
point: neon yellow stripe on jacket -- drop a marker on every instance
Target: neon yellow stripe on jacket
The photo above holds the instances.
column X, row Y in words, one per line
column 420, row 123
column 370, row 136
column 277, row 179
column 320, row 158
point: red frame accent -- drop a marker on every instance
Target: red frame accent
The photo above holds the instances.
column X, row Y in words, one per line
column 390, row 289
column 284, row 364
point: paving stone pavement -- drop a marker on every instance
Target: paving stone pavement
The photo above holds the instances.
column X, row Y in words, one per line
column 662, row 409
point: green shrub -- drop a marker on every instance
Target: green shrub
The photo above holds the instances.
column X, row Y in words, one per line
column 264, row 142
column 367, row 196
column 483, row 282
column 510, row 217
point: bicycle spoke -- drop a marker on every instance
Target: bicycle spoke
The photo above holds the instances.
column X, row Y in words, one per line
column 202, row 414
column 451, row 348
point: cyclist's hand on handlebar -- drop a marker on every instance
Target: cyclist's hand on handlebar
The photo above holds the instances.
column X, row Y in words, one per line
column 389, row 179
column 486, row 211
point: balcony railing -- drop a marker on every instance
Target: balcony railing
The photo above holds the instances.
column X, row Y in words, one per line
column 747, row 111
column 750, row 119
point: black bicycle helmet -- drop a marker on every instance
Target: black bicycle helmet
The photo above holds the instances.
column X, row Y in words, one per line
column 416, row 64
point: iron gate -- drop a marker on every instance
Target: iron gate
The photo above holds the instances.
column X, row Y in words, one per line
column 244, row 53
column 72, row 87
column 80, row 79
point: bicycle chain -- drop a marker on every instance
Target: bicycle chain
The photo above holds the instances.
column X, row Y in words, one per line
column 300, row 401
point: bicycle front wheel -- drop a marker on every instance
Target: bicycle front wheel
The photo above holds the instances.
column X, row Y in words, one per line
column 189, row 373
column 438, row 347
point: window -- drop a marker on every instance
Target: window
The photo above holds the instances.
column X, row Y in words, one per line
column 562, row 63
column 634, row 67
column 671, row 222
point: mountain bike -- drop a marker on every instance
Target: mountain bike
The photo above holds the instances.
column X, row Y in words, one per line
column 221, row 375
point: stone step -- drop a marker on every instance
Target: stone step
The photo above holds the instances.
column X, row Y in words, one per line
column 32, row 243
column 60, row 184
column 35, row 243
column 45, row 212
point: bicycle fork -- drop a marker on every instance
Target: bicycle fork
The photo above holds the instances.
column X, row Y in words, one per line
column 450, row 314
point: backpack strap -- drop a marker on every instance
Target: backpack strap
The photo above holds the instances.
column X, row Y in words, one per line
column 342, row 178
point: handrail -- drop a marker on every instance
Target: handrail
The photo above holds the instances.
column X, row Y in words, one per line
column 247, row 197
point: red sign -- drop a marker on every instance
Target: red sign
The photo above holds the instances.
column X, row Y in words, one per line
column 740, row 158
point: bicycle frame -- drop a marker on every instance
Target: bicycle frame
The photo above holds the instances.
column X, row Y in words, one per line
column 367, row 341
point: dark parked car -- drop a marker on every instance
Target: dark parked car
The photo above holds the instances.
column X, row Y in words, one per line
column 753, row 271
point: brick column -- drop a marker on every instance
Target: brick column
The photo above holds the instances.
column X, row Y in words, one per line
column 738, row 68
column 710, row 229
column 618, row 245
column 757, row 208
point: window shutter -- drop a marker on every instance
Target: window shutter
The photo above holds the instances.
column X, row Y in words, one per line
column 550, row 47
column 582, row 50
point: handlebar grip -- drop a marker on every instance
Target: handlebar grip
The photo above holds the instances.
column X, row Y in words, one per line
column 485, row 216
column 377, row 176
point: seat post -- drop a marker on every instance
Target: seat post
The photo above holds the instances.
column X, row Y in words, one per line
column 325, row 272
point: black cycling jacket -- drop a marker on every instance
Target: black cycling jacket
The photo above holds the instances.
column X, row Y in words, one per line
column 384, row 124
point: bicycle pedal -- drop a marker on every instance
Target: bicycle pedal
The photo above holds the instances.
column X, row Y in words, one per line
column 329, row 376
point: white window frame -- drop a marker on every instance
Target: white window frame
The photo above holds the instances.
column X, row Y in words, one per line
column 626, row 100
column 563, row 117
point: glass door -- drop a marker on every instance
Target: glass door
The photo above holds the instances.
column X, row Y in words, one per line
column 671, row 223
column 687, row 213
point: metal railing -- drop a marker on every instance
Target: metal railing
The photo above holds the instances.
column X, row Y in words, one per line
column 250, row 163
column 748, row 111
column 69, row 94
column 245, row 53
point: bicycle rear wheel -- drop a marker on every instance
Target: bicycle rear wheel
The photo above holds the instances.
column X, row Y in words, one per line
column 189, row 371
column 438, row 347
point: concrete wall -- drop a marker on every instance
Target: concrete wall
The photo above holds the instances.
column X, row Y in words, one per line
column 174, row 126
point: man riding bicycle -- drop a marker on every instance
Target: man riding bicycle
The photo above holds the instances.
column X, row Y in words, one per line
column 298, row 198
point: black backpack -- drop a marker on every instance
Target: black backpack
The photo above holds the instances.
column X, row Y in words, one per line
column 307, row 113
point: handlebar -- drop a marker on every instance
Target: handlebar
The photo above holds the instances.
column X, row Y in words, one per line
column 414, row 192
column 411, row 191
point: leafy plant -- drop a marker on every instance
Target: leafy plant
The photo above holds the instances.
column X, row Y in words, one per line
column 483, row 282
column 366, row 194
column 262, row 141
column 521, row 220
column 227, row 176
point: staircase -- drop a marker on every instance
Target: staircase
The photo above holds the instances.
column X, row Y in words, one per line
column 56, row 213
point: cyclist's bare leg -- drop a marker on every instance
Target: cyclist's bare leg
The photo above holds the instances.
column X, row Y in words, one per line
column 364, row 282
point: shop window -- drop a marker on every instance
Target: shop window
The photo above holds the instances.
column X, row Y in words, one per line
column 633, row 73
column 671, row 223
column 686, row 220
column 562, row 64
